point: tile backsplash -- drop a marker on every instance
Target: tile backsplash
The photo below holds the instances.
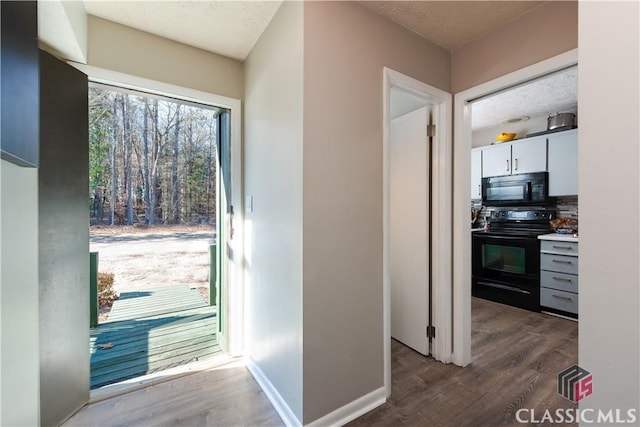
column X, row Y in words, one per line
column 565, row 206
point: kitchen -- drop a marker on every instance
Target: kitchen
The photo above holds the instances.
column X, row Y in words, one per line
column 524, row 203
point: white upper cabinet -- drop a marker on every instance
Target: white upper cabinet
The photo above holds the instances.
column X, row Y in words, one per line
column 476, row 173
column 556, row 153
column 529, row 155
column 523, row 156
column 563, row 163
column 496, row 160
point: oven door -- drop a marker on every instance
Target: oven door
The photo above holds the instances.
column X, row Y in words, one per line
column 506, row 269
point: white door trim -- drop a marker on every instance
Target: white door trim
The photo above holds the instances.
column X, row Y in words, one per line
column 462, row 192
column 440, row 215
column 235, row 315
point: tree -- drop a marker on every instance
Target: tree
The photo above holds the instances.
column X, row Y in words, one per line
column 150, row 155
column 175, row 190
column 127, row 148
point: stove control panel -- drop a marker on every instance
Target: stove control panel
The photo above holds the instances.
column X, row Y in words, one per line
column 524, row 215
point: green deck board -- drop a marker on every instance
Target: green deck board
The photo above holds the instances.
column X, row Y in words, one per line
column 133, row 331
column 167, row 363
column 154, row 355
column 124, row 347
column 141, row 304
column 152, row 330
column 124, row 342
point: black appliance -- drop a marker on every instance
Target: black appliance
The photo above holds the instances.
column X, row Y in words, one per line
column 506, row 259
column 525, row 189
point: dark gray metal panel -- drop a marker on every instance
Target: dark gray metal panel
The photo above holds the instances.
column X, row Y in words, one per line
column 63, row 240
column 19, row 82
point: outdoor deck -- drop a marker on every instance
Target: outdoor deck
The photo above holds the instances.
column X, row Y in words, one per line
column 152, row 330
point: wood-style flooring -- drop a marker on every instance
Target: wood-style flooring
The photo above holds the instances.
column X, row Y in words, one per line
column 517, row 355
column 223, row 396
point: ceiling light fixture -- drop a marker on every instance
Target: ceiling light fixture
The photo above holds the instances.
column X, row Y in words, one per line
column 516, row 119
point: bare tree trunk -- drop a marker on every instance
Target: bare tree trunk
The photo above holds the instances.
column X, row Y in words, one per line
column 153, row 170
column 175, row 189
column 126, row 143
column 145, row 164
column 112, row 163
column 98, row 204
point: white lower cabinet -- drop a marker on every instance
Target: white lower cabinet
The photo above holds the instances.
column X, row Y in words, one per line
column 559, row 275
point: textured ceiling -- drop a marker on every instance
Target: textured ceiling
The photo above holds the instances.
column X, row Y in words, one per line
column 452, row 24
column 229, row 28
column 555, row 93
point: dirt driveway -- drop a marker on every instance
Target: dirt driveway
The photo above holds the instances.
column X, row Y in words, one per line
column 144, row 258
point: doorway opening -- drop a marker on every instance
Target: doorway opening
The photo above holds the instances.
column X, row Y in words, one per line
column 462, row 300
column 426, row 110
column 160, row 202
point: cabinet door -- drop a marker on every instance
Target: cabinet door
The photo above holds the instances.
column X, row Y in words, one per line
column 476, row 173
column 529, row 155
column 496, row 160
column 563, row 163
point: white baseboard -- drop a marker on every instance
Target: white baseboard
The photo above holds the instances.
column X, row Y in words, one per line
column 339, row 417
column 352, row 410
column 272, row 394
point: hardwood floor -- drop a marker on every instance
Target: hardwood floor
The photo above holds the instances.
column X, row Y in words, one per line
column 517, row 355
column 223, row 396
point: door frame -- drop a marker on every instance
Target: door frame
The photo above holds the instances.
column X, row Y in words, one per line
column 462, row 191
column 441, row 161
column 231, row 340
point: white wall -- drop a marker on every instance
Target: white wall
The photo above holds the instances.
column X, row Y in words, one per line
column 126, row 50
column 546, row 31
column 273, row 177
column 346, row 46
column 19, row 360
column 609, row 177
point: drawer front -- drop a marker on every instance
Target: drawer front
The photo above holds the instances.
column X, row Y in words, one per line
column 556, row 247
column 560, row 281
column 560, row 263
column 560, row 300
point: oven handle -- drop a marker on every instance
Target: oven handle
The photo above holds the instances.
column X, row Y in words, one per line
column 487, row 236
column 504, row 287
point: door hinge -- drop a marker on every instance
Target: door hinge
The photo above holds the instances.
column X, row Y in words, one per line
column 431, row 331
column 431, row 131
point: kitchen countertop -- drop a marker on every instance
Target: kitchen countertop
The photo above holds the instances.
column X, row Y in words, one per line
column 559, row 237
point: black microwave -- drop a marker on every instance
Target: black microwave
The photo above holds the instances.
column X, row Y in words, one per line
column 525, row 189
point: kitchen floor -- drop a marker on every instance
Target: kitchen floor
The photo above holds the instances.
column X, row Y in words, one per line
column 517, row 355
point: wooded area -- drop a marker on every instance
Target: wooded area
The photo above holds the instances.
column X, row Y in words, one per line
column 151, row 160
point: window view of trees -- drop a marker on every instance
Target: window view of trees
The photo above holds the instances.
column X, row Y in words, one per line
column 151, row 160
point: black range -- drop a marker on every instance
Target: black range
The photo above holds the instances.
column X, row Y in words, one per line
column 506, row 259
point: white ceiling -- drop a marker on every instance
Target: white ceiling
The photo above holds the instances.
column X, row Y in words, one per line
column 452, row 24
column 555, row 93
column 231, row 28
